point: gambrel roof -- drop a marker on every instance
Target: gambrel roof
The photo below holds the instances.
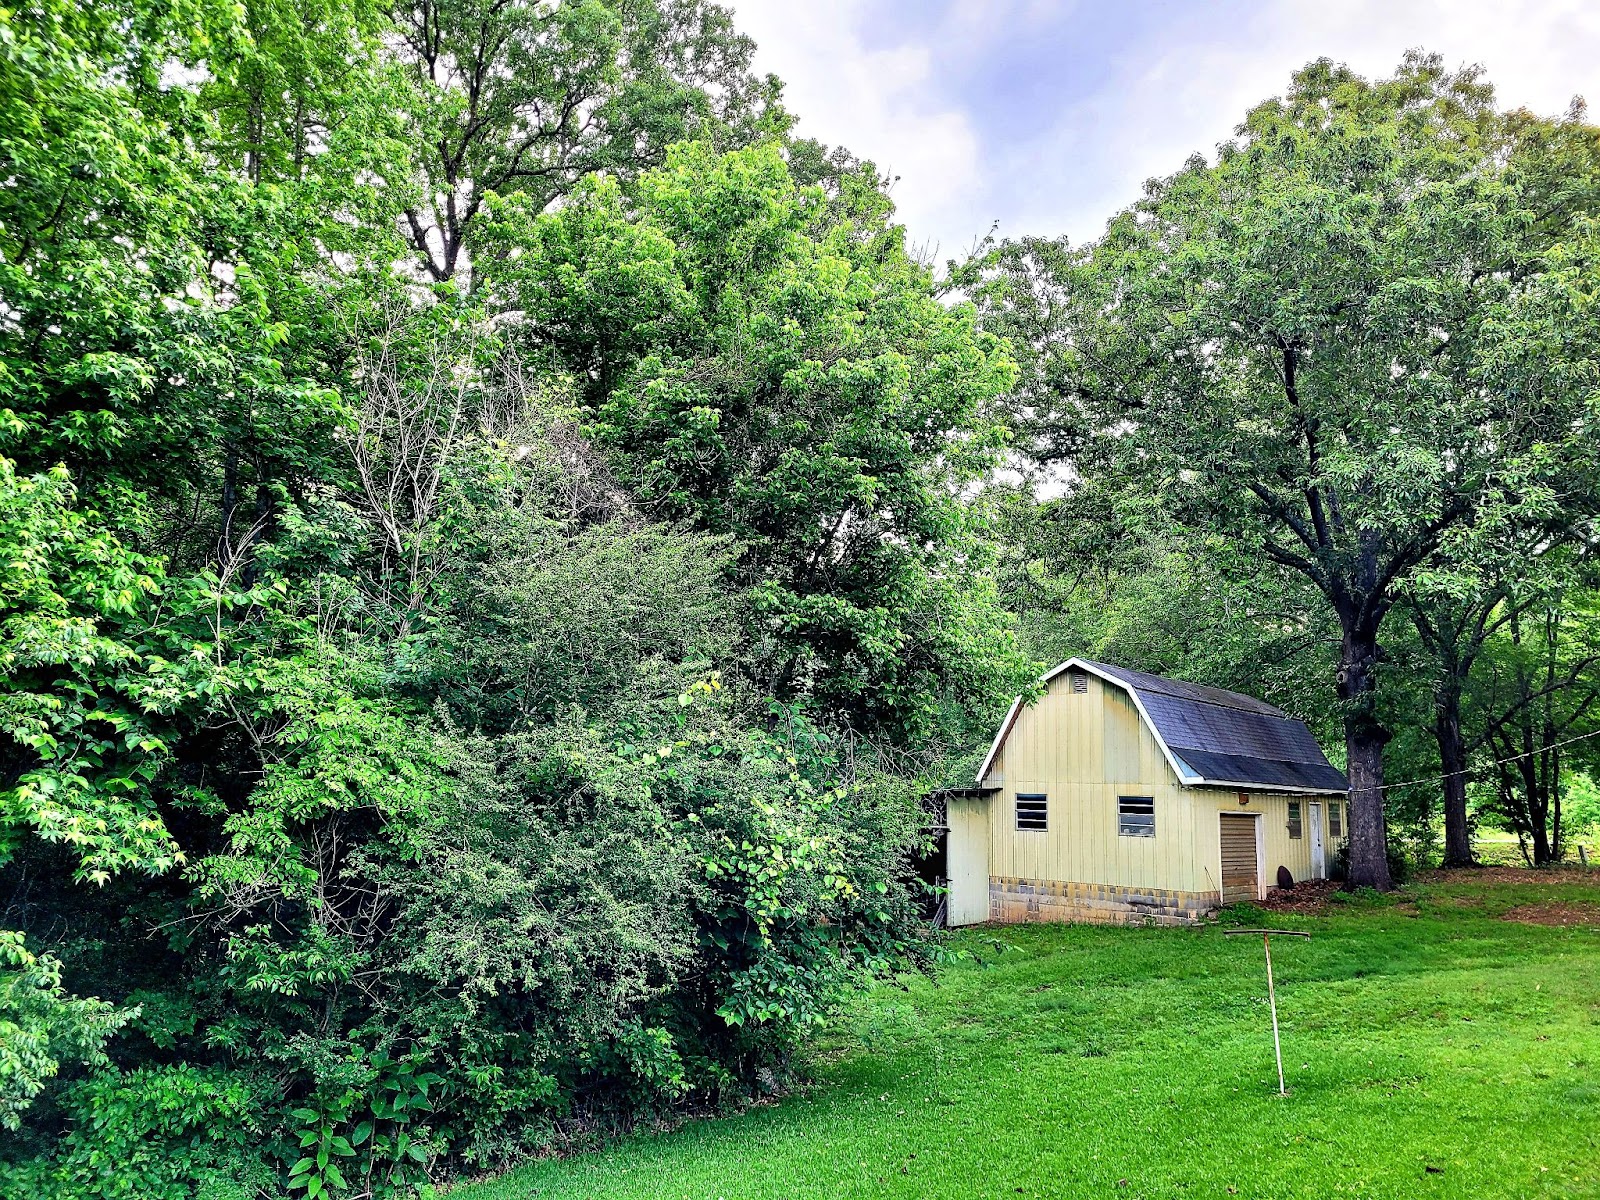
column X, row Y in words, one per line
column 1211, row 738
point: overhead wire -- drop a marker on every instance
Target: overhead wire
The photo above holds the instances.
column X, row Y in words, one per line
column 1583, row 737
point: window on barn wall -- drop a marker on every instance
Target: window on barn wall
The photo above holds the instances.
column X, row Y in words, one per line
column 1294, row 819
column 1335, row 819
column 1032, row 812
column 1136, row 816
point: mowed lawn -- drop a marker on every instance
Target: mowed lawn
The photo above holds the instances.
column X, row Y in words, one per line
column 1433, row 1048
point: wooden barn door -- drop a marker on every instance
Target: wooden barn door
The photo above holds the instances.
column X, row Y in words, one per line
column 1241, row 878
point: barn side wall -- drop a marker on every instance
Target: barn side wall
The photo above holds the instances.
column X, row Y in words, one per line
column 1083, row 751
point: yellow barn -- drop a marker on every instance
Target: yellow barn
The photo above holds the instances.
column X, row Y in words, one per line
column 1120, row 796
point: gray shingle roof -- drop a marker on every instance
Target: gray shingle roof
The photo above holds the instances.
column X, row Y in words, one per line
column 1224, row 737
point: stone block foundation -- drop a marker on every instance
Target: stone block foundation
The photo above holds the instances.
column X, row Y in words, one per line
column 1016, row 901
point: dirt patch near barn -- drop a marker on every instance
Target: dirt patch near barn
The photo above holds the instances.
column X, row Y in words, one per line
column 1555, row 914
column 1307, row 898
column 1313, row 897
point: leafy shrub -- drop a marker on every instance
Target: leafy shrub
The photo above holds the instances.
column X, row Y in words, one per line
column 155, row 1133
column 41, row 1025
column 1580, row 807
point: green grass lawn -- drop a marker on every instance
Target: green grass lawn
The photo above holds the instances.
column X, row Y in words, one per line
column 1433, row 1048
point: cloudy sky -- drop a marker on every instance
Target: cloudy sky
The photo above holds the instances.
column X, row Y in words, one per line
column 1046, row 115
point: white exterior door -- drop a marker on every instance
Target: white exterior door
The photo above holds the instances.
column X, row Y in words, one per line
column 967, row 860
column 1319, row 864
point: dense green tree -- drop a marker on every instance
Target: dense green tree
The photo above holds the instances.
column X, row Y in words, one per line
column 765, row 361
column 1514, row 558
column 1306, row 347
column 292, row 82
column 380, row 753
column 1457, row 611
column 95, row 678
column 179, row 290
column 1110, row 577
column 528, row 98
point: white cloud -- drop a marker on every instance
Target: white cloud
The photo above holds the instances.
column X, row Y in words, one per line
column 884, row 104
column 1160, row 92
column 1181, row 96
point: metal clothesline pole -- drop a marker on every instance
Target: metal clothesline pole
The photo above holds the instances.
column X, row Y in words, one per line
column 1272, row 991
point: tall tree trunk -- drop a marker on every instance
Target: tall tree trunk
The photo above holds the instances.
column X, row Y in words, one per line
column 256, row 131
column 1540, row 834
column 230, row 504
column 1544, row 803
column 1364, row 738
column 1453, row 762
column 1557, row 843
column 250, row 572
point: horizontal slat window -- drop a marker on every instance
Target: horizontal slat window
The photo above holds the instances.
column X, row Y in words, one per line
column 1032, row 812
column 1294, row 819
column 1335, row 819
column 1136, row 816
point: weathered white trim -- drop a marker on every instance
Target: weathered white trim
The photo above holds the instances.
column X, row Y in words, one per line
column 1271, row 789
column 1173, row 761
column 1000, row 739
column 1261, row 856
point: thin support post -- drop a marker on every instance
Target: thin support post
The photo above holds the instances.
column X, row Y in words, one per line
column 1272, row 991
column 1272, row 999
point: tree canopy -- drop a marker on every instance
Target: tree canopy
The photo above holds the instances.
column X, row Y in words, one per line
column 1320, row 347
